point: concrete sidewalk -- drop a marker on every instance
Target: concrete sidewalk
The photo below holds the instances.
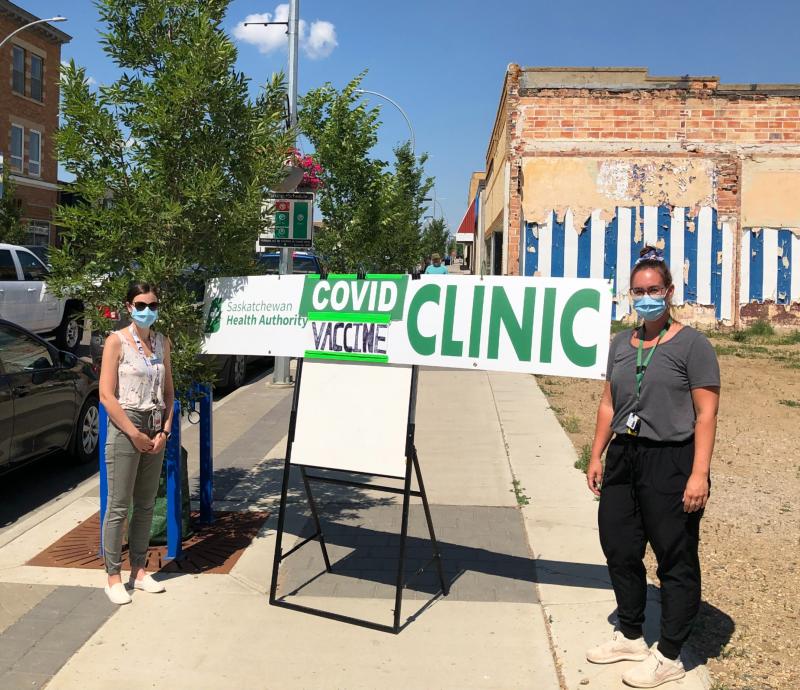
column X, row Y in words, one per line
column 529, row 585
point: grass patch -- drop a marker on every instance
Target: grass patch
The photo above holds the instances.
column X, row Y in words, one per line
column 760, row 329
column 519, row 493
column 619, row 326
column 582, row 463
column 739, row 336
column 572, row 425
column 789, row 403
column 792, row 338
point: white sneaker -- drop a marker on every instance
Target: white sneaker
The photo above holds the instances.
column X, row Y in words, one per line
column 147, row 584
column 618, row 648
column 653, row 671
column 117, row 595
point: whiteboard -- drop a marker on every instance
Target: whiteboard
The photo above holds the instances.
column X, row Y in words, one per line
column 353, row 416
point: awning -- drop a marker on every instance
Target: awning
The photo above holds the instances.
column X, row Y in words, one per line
column 466, row 231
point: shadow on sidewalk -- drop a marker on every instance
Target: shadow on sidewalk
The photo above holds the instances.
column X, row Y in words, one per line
column 260, row 487
column 365, row 559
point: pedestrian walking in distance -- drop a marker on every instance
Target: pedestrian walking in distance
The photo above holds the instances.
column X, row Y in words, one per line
column 436, row 265
column 658, row 420
column 137, row 392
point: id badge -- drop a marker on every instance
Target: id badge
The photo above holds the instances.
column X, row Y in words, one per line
column 633, row 424
column 155, row 420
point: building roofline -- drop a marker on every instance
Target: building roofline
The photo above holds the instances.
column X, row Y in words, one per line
column 638, row 78
column 23, row 16
column 497, row 118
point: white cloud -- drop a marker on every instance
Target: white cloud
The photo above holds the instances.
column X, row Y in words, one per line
column 321, row 40
column 318, row 42
column 265, row 38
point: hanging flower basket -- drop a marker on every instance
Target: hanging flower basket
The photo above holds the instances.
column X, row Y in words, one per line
column 293, row 177
column 312, row 171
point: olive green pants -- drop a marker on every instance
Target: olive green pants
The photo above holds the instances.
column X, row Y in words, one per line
column 132, row 477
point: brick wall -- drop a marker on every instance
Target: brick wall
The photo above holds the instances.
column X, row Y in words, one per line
column 664, row 115
column 37, row 203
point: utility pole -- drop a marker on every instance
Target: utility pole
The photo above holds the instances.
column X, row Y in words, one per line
column 281, row 372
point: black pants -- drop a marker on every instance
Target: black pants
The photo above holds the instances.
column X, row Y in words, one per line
column 642, row 501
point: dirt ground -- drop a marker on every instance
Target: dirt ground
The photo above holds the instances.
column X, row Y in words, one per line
column 749, row 625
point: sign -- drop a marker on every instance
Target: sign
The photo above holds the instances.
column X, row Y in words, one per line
column 353, row 434
column 290, row 225
column 555, row 326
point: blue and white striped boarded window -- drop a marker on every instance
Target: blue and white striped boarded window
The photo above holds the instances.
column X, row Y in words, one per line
column 770, row 266
column 699, row 251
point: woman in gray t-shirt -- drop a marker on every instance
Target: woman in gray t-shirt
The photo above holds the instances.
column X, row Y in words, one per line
column 658, row 419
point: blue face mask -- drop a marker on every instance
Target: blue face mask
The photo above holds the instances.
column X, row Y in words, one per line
column 650, row 308
column 145, row 318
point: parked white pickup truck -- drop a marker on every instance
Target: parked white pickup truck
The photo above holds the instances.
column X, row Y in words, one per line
column 26, row 301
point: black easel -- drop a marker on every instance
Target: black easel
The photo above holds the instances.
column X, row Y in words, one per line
column 412, row 461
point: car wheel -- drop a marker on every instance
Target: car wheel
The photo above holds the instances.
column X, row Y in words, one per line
column 70, row 332
column 87, row 432
column 238, row 372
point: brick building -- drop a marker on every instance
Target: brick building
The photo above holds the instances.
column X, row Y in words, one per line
column 586, row 165
column 29, row 101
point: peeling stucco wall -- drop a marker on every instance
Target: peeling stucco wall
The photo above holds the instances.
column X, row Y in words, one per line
column 585, row 184
column 771, row 193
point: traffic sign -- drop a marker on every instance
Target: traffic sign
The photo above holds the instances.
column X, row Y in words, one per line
column 290, row 224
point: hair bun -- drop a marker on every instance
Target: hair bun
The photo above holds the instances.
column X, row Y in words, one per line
column 650, row 253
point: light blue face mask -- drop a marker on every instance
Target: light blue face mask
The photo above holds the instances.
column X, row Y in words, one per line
column 650, row 308
column 145, row 318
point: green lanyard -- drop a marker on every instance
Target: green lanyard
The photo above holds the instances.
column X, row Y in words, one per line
column 641, row 368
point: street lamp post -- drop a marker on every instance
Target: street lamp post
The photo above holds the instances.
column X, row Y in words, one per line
column 281, row 370
column 30, row 24
column 402, row 112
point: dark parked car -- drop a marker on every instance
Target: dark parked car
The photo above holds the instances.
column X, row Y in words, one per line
column 48, row 400
column 302, row 262
column 230, row 370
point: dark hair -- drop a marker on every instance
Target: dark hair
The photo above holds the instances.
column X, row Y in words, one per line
column 137, row 288
column 652, row 257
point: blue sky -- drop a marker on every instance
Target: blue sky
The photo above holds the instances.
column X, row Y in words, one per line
column 444, row 60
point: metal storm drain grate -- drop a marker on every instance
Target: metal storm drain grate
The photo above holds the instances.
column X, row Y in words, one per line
column 211, row 549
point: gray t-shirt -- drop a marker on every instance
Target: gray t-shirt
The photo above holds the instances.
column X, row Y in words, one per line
column 684, row 362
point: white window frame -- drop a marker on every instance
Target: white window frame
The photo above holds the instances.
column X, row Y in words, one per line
column 31, row 161
column 14, row 48
column 37, row 228
column 21, row 156
column 41, row 79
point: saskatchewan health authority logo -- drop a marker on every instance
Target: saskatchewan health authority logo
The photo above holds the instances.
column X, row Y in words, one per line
column 214, row 319
column 350, row 316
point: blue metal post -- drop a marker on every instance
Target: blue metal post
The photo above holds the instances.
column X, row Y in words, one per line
column 206, row 454
column 101, row 463
column 174, row 502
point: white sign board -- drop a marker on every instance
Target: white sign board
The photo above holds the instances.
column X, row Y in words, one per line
column 555, row 326
column 363, row 430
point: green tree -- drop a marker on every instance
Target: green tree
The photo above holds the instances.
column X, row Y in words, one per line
column 435, row 236
column 397, row 245
column 12, row 229
column 342, row 131
column 371, row 213
column 170, row 163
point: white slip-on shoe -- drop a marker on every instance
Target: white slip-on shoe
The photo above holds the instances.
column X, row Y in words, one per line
column 117, row 595
column 147, row 584
column 655, row 670
column 618, row 648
